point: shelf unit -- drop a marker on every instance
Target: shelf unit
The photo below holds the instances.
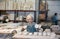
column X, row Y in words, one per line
column 18, row 6
column 16, row 13
column 36, row 15
column 43, row 11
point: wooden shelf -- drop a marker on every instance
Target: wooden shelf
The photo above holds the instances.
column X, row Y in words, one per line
column 20, row 10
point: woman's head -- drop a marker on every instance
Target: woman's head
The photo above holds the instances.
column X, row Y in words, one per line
column 55, row 14
column 29, row 19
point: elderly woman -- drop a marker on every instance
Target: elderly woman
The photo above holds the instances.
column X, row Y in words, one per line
column 31, row 26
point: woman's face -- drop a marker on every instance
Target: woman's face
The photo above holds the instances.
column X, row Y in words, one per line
column 29, row 19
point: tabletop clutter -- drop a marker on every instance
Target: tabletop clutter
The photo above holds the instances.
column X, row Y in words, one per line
column 47, row 34
column 40, row 32
column 22, row 30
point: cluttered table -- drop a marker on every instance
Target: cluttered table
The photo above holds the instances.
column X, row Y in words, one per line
column 30, row 36
column 9, row 28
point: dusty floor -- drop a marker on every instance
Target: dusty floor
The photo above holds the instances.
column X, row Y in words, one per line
column 5, row 36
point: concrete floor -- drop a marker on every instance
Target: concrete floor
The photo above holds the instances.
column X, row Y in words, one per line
column 5, row 36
